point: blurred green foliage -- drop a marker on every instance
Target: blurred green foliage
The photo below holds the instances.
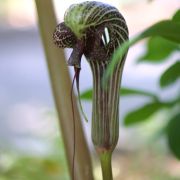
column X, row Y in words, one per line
column 27, row 168
column 164, row 40
column 170, row 75
column 173, row 134
column 18, row 166
column 158, row 49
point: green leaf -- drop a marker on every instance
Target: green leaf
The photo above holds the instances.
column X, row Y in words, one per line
column 176, row 16
column 87, row 95
column 167, row 29
column 127, row 92
column 170, row 75
column 142, row 114
column 173, row 134
column 158, row 49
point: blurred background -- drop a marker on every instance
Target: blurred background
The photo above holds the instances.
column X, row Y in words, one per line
column 30, row 141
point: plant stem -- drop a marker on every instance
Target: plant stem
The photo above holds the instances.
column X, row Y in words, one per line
column 61, row 86
column 105, row 159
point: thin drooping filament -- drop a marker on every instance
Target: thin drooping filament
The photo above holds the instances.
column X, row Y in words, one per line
column 76, row 77
column 74, row 126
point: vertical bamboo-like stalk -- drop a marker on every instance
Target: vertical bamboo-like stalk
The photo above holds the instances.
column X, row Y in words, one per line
column 61, row 85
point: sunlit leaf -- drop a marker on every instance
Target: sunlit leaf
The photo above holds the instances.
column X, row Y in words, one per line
column 173, row 134
column 142, row 114
column 158, row 49
column 170, row 75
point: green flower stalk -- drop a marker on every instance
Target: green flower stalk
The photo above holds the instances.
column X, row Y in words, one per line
column 96, row 30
